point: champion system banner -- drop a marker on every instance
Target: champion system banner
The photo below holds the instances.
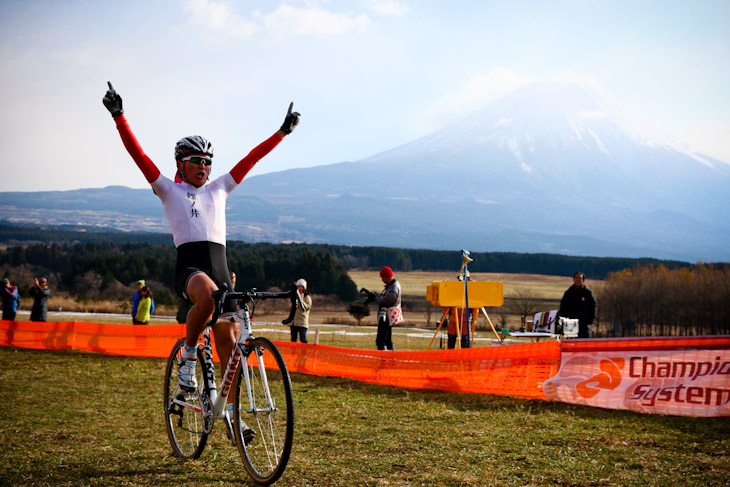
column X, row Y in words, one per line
column 669, row 376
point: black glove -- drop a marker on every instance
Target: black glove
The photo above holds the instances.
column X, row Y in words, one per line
column 112, row 101
column 368, row 296
column 291, row 121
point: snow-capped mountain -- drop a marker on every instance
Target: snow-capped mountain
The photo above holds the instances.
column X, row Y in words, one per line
column 556, row 167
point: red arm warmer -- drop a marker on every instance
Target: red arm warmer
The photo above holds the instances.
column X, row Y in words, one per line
column 145, row 164
column 244, row 165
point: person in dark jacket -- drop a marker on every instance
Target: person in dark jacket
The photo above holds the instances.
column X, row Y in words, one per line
column 40, row 292
column 11, row 300
column 578, row 302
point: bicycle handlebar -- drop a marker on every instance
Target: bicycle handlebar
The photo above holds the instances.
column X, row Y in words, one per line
column 222, row 296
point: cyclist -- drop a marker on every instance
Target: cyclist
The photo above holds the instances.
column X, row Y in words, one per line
column 196, row 213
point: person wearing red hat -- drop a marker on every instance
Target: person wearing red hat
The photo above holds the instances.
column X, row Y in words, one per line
column 389, row 311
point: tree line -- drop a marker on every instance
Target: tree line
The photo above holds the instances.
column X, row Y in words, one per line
column 357, row 257
column 658, row 301
column 106, row 270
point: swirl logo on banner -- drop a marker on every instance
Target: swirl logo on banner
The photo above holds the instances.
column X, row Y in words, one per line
column 677, row 382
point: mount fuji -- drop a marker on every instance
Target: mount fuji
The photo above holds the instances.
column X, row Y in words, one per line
column 553, row 167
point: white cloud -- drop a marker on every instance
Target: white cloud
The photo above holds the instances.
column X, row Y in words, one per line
column 313, row 20
column 286, row 20
column 387, row 7
column 476, row 92
column 220, row 17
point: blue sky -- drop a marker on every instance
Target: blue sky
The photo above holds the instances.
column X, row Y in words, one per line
column 367, row 75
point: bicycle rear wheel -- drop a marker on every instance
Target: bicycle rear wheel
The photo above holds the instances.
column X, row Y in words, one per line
column 186, row 426
column 270, row 414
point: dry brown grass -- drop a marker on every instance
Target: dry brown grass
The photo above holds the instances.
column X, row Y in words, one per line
column 415, row 282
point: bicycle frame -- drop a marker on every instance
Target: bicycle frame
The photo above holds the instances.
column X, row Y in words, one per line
column 245, row 334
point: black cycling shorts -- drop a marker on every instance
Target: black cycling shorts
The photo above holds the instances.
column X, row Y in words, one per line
column 206, row 257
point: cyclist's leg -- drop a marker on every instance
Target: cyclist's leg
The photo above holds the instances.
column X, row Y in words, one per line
column 225, row 333
column 199, row 288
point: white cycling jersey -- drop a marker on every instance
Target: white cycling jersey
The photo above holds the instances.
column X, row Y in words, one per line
column 195, row 214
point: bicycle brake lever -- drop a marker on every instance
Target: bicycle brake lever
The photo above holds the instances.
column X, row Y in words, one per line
column 219, row 297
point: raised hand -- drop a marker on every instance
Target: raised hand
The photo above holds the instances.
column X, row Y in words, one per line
column 291, row 121
column 112, row 101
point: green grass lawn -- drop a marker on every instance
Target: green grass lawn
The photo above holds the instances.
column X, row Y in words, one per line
column 78, row 419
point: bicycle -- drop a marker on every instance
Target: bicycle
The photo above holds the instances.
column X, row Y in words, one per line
column 262, row 426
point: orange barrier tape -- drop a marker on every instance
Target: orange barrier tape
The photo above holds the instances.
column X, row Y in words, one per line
column 517, row 370
column 129, row 340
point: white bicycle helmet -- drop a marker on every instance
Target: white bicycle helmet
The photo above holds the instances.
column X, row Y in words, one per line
column 194, row 144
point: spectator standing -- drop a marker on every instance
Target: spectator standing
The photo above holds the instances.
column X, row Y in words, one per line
column 233, row 281
column 40, row 292
column 301, row 320
column 389, row 309
column 135, row 301
column 145, row 307
column 579, row 302
column 11, row 300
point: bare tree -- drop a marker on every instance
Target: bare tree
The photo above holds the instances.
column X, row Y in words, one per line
column 524, row 303
column 428, row 313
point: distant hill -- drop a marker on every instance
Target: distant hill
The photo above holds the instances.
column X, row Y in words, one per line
column 556, row 168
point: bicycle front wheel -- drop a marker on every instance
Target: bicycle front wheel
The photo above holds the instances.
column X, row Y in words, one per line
column 184, row 416
column 264, row 421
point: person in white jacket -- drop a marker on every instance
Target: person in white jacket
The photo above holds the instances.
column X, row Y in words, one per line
column 389, row 309
column 301, row 319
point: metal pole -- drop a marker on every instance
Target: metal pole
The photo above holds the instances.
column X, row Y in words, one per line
column 465, row 260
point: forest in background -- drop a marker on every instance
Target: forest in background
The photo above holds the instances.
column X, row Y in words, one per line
column 351, row 257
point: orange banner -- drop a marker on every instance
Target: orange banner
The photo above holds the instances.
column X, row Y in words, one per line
column 516, row 370
column 130, row 340
column 677, row 376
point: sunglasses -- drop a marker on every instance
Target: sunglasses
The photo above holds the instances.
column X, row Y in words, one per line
column 197, row 160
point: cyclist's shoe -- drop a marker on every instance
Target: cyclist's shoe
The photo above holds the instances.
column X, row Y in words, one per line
column 186, row 377
column 246, row 433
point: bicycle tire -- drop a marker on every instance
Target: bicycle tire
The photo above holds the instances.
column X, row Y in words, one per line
column 267, row 454
column 186, row 429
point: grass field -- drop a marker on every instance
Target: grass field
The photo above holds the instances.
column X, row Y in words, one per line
column 83, row 419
